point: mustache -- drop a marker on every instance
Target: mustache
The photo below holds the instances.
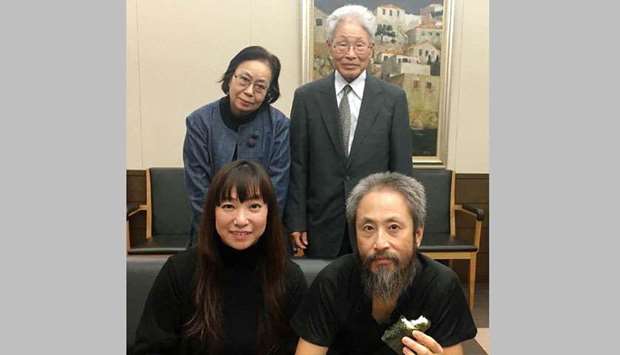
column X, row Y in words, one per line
column 382, row 255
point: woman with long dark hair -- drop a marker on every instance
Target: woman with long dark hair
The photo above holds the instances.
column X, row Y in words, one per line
column 235, row 292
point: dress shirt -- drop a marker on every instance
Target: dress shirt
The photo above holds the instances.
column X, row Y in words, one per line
column 355, row 99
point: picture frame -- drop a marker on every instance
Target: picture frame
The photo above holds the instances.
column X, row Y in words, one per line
column 413, row 50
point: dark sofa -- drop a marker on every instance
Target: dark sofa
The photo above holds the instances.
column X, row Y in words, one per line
column 142, row 270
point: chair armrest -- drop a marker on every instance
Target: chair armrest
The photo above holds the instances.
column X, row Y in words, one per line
column 133, row 208
column 473, row 211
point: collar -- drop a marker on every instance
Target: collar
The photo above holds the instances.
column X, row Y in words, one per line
column 230, row 120
column 357, row 85
column 232, row 258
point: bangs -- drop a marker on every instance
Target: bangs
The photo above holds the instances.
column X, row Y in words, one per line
column 248, row 187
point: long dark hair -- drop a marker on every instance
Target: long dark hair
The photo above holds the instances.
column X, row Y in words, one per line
column 255, row 53
column 250, row 181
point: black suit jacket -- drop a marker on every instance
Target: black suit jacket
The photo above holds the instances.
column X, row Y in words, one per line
column 321, row 176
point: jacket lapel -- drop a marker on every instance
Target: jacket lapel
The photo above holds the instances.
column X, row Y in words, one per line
column 328, row 106
column 371, row 103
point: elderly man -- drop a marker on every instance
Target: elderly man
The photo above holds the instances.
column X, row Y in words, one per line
column 357, row 297
column 343, row 128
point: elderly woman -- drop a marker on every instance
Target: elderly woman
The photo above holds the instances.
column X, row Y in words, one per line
column 240, row 125
column 237, row 290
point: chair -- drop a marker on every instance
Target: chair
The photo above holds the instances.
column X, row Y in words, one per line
column 440, row 240
column 168, row 213
column 132, row 209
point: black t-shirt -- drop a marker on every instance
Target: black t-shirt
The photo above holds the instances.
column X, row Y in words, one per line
column 169, row 305
column 337, row 314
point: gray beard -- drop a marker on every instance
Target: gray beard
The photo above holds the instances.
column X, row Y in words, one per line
column 386, row 284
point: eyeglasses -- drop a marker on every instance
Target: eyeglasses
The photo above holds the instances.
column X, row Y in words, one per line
column 359, row 48
column 259, row 87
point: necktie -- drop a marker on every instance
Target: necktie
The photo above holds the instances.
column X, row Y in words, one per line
column 345, row 118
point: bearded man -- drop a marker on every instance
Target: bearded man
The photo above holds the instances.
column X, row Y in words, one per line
column 358, row 296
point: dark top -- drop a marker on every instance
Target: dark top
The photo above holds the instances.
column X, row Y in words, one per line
column 230, row 120
column 322, row 176
column 336, row 312
column 169, row 305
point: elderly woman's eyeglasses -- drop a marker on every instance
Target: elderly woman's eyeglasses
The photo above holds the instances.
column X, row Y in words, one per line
column 259, row 87
column 342, row 47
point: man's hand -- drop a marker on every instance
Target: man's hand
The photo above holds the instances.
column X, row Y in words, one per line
column 300, row 242
column 422, row 344
column 307, row 348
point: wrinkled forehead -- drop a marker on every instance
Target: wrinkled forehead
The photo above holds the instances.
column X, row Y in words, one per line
column 384, row 203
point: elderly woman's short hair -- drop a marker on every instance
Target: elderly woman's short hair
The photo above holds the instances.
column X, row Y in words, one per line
column 408, row 187
column 357, row 12
column 255, row 53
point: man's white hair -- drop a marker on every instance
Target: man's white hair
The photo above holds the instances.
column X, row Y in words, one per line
column 358, row 12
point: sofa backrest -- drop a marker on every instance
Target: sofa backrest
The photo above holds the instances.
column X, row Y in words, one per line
column 141, row 272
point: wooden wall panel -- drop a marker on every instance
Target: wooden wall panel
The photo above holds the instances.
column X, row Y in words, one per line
column 473, row 189
column 136, row 186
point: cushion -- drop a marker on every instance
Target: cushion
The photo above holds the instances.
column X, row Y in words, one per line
column 443, row 242
column 161, row 244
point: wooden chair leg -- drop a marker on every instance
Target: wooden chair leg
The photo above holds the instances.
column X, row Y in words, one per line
column 472, row 280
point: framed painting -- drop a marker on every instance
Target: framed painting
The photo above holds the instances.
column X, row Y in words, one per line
column 412, row 50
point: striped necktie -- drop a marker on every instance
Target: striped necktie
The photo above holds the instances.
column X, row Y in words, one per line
column 345, row 118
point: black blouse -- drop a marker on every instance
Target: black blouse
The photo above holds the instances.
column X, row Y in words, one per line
column 169, row 305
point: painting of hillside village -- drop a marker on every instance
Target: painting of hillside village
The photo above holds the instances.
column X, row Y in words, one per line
column 408, row 49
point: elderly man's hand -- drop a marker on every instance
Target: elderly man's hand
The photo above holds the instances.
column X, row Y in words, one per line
column 421, row 344
column 300, row 242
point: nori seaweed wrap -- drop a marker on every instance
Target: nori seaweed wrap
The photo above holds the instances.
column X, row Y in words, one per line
column 403, row 327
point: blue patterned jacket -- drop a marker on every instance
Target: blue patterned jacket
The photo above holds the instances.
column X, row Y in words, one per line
column 210, row 144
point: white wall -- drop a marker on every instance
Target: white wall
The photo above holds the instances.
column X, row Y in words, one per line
column 468, row 150
column 177, row 51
